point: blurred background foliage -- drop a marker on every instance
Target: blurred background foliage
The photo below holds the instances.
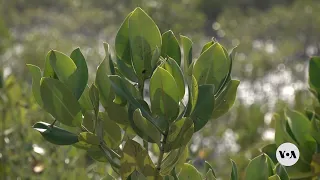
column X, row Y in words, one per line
column 275, row 38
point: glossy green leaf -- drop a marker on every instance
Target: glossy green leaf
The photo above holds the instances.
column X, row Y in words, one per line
column 170, row 46
column 126, row 70
column 206, row 46
column 180, row 133
column 193, row 95
column 48, row 70
column 270, row 150
column 135, row 128
column 67, row 72
column 281, row 135
column 234, row 172
column 135, row 157
column 186, row 45
column 204, row 107
column 120, row 86
column 208, row 167
column 102, row 81
column 55, row 135
column 85, row 101
column 212, row 66
column 36, row 76
column 136, row 176
column 80, row 76
column 122, row 43
column 59, row 101
column 301, row 130
column 173, row 68
column 164, row 94
column 94, row 98
column 281, row 171
column 111, row 131
column 209, row 175
column 225, row 100
column 172, row 159
column 314, row 73
column 299, row 125
column 258, row 168
column 118, row 113
column 89, row 138
column 144, row 38
column 89, row 121
column 274, row 177
column 189, row 172
column 97, row 154
column 146, row 127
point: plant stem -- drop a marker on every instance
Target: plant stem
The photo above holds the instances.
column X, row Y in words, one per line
column 163, row 142
column 52, row 124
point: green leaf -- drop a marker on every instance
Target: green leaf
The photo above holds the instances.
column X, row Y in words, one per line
column 314, row 73
column 36, row 76
column 274, row 177
column 234, row 172
column 112, row 131
column 144, row 38
column 146, row 127
column 102, row 81
column 48, row 70
column 208, row 167
column 301, row 129
column 206, row 46
column 89, row 138
column 281, row 134
column 209, row 175
column 117, row 113
column 186, row 45
column 59, row 101
column 55, row 135
column 126, row 70
column 225, row 100
column 67, row 72
column 189, row 172
column 172, row 159
column 179, row 134
column 136, row 157
column 121, row 88
column 164, row 94
column 315, row 130
column 136, row 176
column 281, row 171
column 270, row 150
column 193, row 95
column 94, row 97
column 204, row 107
column 258, row 168
column 170, row 46
column 299, row 125
column 89, row 121
column 108, row 177
column 80, row 76
column 212, row 66
column 173, row 68
column 122, row 43
column 97, row 154
column 135, row 128
column 85, row 101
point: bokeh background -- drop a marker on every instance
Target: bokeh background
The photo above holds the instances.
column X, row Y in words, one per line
column 275, row 38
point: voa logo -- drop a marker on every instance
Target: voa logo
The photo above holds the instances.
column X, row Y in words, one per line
column 287, row 154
